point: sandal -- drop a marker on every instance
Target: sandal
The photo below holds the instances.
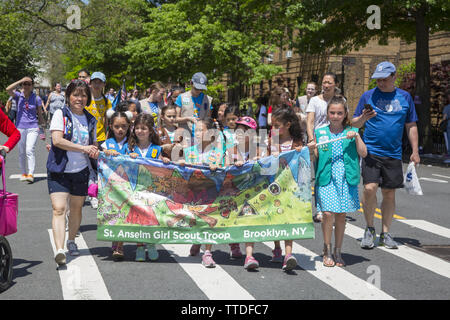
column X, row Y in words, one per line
column 318, row 217
column 338, row 258
column 328, row 257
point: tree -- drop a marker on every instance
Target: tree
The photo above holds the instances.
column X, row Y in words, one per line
column 340, row 26
column 16, row 50
column 217, row 37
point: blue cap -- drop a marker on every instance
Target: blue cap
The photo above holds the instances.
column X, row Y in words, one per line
column 383, row 70
column 98, row 75
column 199, row 81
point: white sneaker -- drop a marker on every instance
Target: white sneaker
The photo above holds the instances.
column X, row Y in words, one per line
column 60, row 257
column 94, row 203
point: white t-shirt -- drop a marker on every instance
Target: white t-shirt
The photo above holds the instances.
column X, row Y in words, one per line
column 319, row 107
column 77, row 161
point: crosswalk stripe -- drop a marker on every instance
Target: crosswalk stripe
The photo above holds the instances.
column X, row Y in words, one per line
column 215, row 283
column 343, row 281
column 440, row 175
column 36, row 175
column 81, row 279
column 429, row 227
column 416, row 257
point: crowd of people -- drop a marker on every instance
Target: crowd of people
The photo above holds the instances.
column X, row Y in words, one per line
column 175, row 125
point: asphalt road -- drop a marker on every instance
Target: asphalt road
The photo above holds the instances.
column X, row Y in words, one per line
column 406, row 273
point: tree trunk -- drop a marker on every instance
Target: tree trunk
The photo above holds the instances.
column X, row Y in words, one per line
column 423, row 80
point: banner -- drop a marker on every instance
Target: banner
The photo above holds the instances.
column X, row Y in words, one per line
column 143, row 200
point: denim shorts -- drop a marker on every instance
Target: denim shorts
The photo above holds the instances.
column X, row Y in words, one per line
column 75, row 184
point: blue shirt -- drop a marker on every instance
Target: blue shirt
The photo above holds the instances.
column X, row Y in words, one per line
column 383, row 133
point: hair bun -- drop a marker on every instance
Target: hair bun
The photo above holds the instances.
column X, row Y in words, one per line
column 109, row 113
column 129, row 115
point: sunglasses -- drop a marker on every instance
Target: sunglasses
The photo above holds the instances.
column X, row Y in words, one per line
column 27, row 83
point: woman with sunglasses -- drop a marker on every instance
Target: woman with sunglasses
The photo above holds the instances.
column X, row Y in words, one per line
column 30, row 110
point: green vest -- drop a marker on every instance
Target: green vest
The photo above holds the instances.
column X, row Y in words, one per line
column 351, row 159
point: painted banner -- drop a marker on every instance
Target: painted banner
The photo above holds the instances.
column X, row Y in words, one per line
column 143, row 200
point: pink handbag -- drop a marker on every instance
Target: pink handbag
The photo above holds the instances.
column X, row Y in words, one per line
column 8, row 207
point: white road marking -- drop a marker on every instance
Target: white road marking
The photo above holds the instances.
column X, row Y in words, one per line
column 429, row 227
column 216, row 283
column 433, row 180
column 343, row 281
column 440, row 175
column 36, row 175
column 414, row 256
column 81, row 279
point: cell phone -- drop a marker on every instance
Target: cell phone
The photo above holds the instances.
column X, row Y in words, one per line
column 368, row 107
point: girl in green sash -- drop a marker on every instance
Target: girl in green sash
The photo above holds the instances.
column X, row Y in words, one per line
column 337, row 175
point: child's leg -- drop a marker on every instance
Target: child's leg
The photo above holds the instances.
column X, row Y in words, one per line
column 289, row 261
column 250, row 262
column 288, row 247
column 235, row 251
column 277, row 252
column 339, row 230
column 207, row 259
column 249, row 249
column 327, row 228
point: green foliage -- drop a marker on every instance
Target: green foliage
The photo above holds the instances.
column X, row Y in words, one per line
column 16, row 51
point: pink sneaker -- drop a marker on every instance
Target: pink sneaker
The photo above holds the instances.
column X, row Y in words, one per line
column 207, row 260
column 195, row 249
column 251, row 263
column 289, row 263
column 277, row 255
column 235, row 251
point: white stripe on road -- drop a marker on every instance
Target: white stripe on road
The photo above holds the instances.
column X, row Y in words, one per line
column 440, row 175
column 429, row 227
column 343, row 281
column 36, row 175
column 433, row 180
column 81, row 279
column 215, row 283
column 416, row 257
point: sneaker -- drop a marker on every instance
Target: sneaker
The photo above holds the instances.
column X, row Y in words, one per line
column 140, row 254
column 94, row 203
column 73, row 248
column 368, row 240
column 251, row 263
column 60, row 257
column 277, row 255
column 207, row 260
column 387, row 241
column 153, row 254
column 289, row 263
column 23, row 177
column 195, row 249
column 30, row 178
column 235, row 251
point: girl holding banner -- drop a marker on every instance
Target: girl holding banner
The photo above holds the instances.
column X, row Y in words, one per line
column 337, row 147
column 115, row 144
column 285, row 127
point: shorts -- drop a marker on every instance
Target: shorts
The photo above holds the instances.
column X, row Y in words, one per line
column 387, row 172
column 76, row 184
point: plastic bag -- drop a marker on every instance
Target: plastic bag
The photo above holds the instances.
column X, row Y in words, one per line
column 411, row 181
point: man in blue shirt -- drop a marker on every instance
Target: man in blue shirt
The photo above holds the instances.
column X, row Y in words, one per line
column 391, row 110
